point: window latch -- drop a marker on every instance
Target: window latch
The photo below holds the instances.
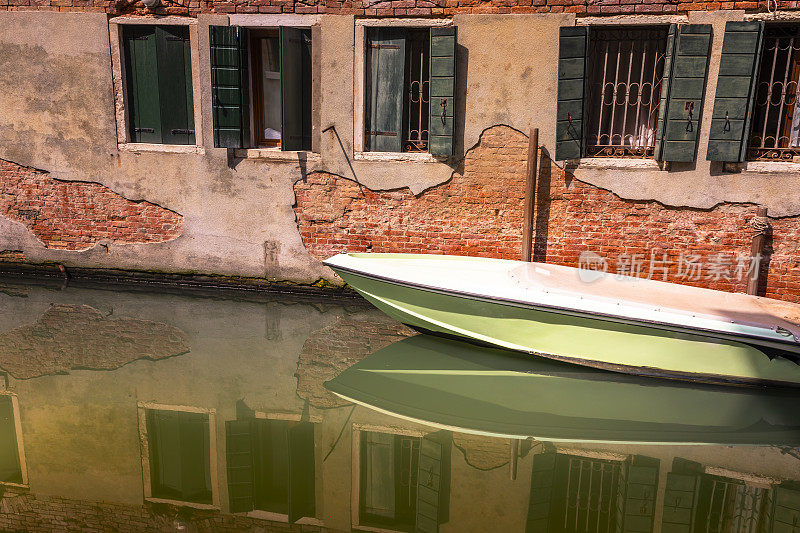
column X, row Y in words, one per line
column 689, row 107
column 444, row 109
column 727, row 126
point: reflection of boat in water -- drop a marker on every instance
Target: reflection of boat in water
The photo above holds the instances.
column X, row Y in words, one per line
column 461, row 386
column 620, row 323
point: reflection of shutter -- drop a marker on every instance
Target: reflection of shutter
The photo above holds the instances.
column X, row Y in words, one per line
column 541, row 496
column 239, row 455
column 430, row 485
column 175, row 85
column 301, row 471
column 786, row 511
column 680, row 503
column 141, row 72
column 442, row 90
column 736, row 86
column 682, row 90
column 636, row 497
column 295, row 47
column 229, row 86
column 572, row 50
column 386, row 64
column 10, row 471
column 377, row 476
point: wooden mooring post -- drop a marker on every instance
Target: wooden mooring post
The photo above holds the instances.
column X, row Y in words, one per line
column 762, row 228
column 530, row 194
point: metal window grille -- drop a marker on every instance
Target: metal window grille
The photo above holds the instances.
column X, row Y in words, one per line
column 775, row 133
column 417, row 100
column 626, row 68
column 591, row 495
column 735, row 508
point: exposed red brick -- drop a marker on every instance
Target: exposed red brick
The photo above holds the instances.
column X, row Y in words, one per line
column 72, row 215
column 479, row 213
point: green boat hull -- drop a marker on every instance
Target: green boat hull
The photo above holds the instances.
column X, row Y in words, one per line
column 593, row 341
column 455, row 385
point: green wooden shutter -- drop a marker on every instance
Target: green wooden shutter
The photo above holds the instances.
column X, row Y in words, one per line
column 636, row 496
column 542, row 492
column 295, row 59
column 685, row 69
column 239, row 437
column 736, row 87
column 175, row 85
column 572, row 51
column 442, row 91
column 786, row 511
column 387, row 66
column 141, row 74
column 430, row 485
column 229, row 86
column 680, row 503
column 302, row 493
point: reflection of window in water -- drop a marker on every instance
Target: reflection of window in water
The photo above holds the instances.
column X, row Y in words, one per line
column 725, row 505
column 10, row 468
column 180, row 461
column 271, row 467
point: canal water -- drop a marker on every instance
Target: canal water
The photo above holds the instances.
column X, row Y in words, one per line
column 134, row 411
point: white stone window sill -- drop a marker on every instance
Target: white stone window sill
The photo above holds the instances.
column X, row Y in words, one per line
column 418, row 157
column 164, row 148
column 617, row 163
column 275, row 154
column 771, row 166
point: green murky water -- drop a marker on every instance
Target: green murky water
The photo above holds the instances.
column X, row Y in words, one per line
column 125, row 411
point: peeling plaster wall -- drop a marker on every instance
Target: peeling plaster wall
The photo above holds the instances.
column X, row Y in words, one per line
column 57, row 114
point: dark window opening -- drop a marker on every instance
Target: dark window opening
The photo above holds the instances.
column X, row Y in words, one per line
column 266, row 92
column 158, row 77
column 180, row 458
column 388, row 490
column 729, row 506
column 626, row 69
column 775, row 133
column 416, row 104
column 585, row 495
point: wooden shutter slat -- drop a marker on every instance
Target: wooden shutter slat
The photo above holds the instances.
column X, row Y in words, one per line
column 229, row 86
column 682, row 92
column 141, row 67
column 736, row 86
column 295, row 59
column 572, row 50
column 175, row 85
column 442, row 90
column 386, row 64
column 240, row 464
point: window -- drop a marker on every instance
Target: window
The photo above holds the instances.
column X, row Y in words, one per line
column 271, row 467
column 775, row 133
column 388, row 495
column 158, row 76
column 410, row 79
column 179, row 455
column 631, row 91
column 261, row 84
column 730, row 506
column 10, row 464
column 624, row 92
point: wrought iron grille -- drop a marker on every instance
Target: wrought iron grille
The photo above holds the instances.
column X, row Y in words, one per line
column 591, row 495
column 625, row 74
column 417, row 104
column 775, row 133
column 735, row 508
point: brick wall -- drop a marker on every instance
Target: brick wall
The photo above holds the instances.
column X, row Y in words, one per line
column 72, row 215
column 396, row 8
column 479, row 213
column 34, row 513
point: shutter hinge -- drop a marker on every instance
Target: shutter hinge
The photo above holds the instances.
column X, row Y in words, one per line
column 386, row 133
column 385, row 46
column 144, row 130
column 181, row 132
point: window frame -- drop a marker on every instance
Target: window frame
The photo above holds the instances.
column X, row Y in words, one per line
column 142, row 408
column 360, row 87
column 120, row 84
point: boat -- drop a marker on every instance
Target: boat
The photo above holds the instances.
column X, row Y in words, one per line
column 613, row 322
column 455, row 385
